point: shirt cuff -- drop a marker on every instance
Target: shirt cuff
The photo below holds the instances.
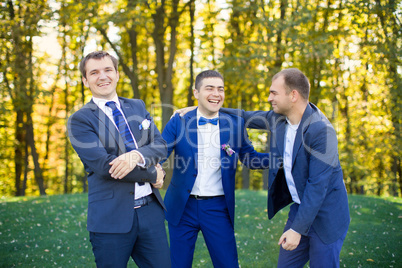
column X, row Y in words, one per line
column 294, row 231
column 142, row 162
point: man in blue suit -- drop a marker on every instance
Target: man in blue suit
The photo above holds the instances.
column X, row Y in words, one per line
column 305, row 170
column 201, row 195
column 120, row 148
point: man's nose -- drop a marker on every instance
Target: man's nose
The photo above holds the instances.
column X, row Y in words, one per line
column 102, row 75
column 215, row 92
column 269, row 98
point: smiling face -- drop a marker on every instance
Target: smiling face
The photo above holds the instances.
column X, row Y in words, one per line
column 279, row 98
column 101, row 78
column 210, row 96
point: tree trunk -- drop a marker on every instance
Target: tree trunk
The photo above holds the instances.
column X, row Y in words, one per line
column 18, row 152
column 26, row 168
column 163, row 70
column 190, row 101
column 37, row 169
column 245, row 174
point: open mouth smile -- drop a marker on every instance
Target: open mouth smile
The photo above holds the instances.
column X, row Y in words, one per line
column 103, row 84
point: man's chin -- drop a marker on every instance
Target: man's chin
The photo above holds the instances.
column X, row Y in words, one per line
column 213, row 111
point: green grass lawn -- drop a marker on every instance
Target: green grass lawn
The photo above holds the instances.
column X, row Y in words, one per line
column 51, row 231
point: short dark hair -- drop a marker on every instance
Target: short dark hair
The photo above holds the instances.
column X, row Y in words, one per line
column 295, row 80
column 96, row 55
column 206, row 74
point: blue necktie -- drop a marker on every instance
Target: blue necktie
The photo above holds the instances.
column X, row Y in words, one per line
column 204, row 121
column 123, row 128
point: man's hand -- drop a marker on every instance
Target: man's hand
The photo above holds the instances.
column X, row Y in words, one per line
column 289, row 240
column 159, row 177
column 183, row 111
column 124, row 164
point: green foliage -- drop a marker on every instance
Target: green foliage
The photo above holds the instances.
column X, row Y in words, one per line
column 350, row 51
column 51, row 232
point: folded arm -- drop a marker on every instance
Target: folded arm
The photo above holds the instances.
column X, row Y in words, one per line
column 84, row 137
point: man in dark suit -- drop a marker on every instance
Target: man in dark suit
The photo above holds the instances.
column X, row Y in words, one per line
column 305, row 170
column 120, row 148
column 201, row 196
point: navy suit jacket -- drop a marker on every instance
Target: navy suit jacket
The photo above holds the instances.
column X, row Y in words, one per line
column 180, row 134
column 315, row 168
column 97, row 142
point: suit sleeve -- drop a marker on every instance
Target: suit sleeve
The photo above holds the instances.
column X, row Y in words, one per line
column 253, row 119
column 249, row 156
column 93, row 153
column 169, row 134
column 321, row 146
column 155, row 150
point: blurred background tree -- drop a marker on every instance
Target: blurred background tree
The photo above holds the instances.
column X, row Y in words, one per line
column 350, row 50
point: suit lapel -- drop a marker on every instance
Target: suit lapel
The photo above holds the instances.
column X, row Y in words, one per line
column 280, row 136
column 132, row 118
column 224, row 133
column 106, row 127
column 191, row 133
column 303, row 126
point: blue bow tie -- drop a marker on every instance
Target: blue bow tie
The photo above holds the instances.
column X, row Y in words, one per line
column 204, row 121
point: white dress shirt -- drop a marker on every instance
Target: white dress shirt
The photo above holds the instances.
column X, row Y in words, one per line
column 209, row 178
column 140, row 190
column 287, row 159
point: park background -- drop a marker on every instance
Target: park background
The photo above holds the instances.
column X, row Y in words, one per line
column 350, row 51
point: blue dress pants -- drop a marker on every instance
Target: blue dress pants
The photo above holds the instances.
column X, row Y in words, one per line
column 211, row 217
column 311, row 248
column 146, row 242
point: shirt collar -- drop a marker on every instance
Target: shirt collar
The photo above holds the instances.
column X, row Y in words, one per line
column 293, row 127
column 199, row 114
column 102, row 102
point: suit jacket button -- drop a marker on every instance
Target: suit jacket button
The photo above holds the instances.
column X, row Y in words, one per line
column 131, row 192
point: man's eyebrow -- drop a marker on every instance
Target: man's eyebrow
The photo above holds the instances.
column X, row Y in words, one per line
column 106, row 68
column 212, row 86
column 93, row 70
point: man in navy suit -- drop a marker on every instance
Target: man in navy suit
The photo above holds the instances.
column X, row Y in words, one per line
column 120, row 148
column 305, row 170
column 201, row 196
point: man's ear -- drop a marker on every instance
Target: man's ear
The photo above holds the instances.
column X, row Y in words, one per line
column 85, row 81
column 195, row 92
column 294, row 95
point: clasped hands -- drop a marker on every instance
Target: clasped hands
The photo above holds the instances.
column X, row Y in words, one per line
column 126, row 162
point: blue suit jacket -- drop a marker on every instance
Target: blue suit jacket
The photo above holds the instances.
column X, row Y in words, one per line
column 180, row 134
column 316, row 171
column 97, row 142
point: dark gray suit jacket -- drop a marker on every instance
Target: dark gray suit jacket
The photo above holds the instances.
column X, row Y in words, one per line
column 315, row 169
column 97, row 142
